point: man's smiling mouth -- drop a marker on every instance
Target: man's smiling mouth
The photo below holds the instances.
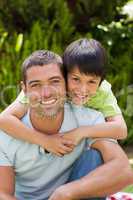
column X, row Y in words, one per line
column 48, row 102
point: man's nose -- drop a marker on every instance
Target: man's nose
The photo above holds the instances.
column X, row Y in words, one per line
column 46, row 91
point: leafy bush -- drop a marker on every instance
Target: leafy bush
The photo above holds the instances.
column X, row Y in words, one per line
column 27, row 25
column 118, row 41
column 50, row 31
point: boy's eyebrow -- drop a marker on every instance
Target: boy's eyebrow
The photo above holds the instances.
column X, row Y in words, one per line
column 93, row 77
column 72, row 74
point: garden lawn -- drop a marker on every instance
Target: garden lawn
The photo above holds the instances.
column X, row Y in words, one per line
column 129, row 188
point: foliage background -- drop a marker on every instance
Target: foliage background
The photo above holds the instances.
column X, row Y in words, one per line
column 27, row 25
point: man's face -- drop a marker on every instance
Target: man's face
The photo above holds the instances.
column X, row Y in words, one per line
column 45, row 88
column 81, row 87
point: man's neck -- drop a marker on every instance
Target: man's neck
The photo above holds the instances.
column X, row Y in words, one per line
column 47, row 125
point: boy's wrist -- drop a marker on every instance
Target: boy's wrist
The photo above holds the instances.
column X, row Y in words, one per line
column 85, row 131
column 40, row 138
column 81, row 133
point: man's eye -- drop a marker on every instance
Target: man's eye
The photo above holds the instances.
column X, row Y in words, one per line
column 55, row 81
column 35, row 85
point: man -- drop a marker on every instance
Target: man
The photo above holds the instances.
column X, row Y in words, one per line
column 28, row 172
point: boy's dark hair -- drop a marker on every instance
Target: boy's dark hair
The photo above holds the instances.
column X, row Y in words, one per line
column 86, row 54
column 40, row 58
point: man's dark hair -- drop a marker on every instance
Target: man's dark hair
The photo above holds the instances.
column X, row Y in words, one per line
column 86, row 54
column 40, row 58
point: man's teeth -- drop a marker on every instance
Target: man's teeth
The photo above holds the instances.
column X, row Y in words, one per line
column 48, row 102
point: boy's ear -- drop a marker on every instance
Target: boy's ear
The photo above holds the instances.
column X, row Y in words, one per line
column 23, row 86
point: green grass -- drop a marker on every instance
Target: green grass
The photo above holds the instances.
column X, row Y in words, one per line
column 129, row 188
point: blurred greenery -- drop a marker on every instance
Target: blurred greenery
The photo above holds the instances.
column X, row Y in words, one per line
column 27, row 25
column 129, row 189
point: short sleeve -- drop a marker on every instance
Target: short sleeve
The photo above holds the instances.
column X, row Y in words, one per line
column 105, row 101
column 4, row 160
column 22, row 98
column 110, row 107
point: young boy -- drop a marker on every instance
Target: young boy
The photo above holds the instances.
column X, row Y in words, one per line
column 85, row 65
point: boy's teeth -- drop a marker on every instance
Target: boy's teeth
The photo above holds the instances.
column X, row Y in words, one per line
column 81, row 96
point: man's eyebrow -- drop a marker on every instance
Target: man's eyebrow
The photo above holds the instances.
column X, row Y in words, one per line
column 38, row 81
column 55, row 77
column 33, row 81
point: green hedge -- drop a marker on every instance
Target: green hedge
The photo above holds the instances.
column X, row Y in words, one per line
column 26, row 26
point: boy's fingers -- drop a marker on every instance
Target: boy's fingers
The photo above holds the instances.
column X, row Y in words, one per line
column 68, row 142
column 66, row 149
column 59, row 154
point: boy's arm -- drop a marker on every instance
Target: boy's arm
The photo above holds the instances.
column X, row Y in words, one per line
column 109, row 178
column 112, row 113
column 114, row 127
column 11, row 124
column 108, row 106
column 119, row 122
column 7, row 183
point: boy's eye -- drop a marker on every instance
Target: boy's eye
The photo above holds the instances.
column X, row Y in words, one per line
column 75, row 79
column 92, row 82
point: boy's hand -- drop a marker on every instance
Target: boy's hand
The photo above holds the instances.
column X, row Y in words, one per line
column 58, row 144
column 76, row 135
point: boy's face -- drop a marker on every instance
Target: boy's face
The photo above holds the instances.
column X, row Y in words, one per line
column 81, row 87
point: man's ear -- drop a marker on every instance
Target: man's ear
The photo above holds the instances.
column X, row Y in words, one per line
column 23, row 86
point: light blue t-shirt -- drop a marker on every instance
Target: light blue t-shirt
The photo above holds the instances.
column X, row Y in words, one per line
column 39, row 173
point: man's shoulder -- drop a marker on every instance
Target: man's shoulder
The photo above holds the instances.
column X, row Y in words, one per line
column 87, row 116
column 82, row 110
column 8, row 144
column 7, row 141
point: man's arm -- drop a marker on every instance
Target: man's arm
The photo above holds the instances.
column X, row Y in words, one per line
column 7, row 183
column 109, row 178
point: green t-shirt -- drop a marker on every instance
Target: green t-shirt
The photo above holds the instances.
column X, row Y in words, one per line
column 104, row 100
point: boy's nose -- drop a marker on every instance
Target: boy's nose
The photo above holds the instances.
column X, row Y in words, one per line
column 84, row 89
